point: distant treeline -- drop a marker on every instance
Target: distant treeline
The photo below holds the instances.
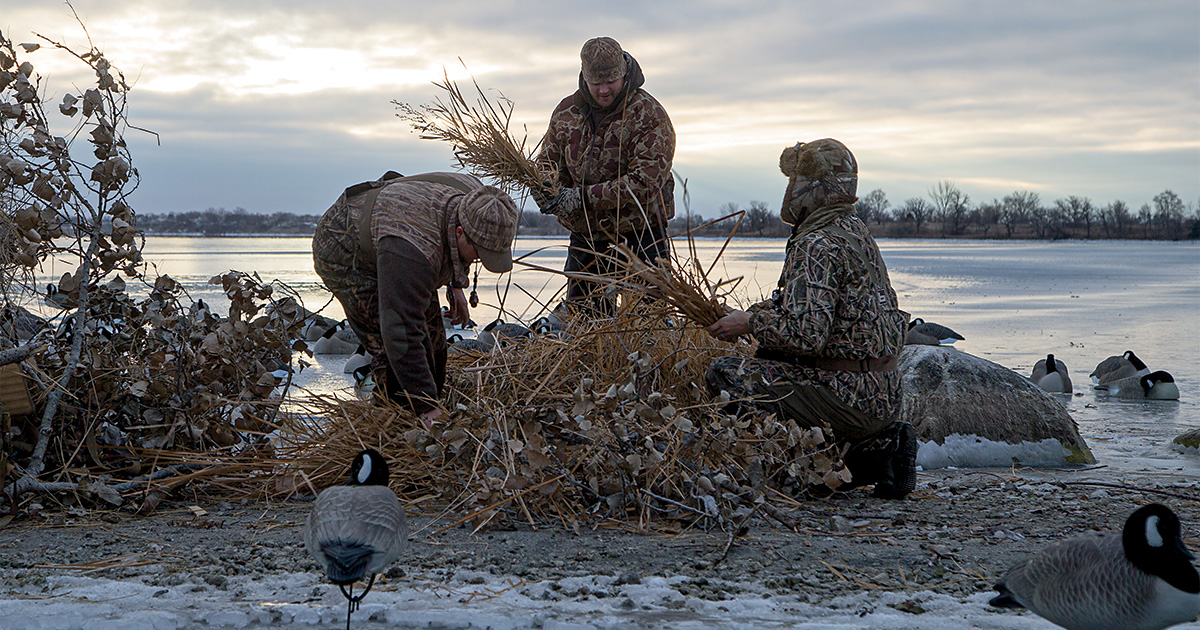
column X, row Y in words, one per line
column 946, row 213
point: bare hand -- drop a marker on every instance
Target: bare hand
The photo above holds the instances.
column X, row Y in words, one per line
column 730, row 327
column 460, row 310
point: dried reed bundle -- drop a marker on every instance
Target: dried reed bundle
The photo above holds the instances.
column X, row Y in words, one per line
column 609, row 423
column 481, row 139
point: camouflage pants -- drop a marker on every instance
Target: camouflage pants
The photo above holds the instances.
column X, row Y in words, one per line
column 787, row 391
column 591, row 256
column 355, row 284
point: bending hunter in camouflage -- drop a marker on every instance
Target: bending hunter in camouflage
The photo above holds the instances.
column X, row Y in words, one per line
column 613, row 152
column 388, row 285
column 829, row 336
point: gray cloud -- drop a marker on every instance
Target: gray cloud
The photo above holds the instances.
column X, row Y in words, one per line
column 1098, row 99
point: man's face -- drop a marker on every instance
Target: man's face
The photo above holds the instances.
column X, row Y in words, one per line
column 606, row 93
column 466, row 249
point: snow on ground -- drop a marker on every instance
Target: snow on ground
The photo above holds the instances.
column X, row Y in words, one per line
column 479, row 600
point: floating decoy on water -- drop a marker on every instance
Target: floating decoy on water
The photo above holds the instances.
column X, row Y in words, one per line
column 339, row 339
column 1051, row 375
column 923, row 333
column 1118, row 367
column 1158, row 385
column 1139, row 579
column 357, row 530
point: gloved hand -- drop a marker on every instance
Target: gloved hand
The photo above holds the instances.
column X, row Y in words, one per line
column 568, row 202
column 542, row 197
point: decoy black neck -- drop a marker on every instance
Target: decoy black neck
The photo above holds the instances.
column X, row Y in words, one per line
column 1134, row 360
column 369, row 469
column 1051, row 366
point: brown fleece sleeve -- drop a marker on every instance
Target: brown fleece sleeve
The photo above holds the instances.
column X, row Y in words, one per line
column 406, row 288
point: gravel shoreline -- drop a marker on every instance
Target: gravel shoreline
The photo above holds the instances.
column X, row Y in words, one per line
column 958, row 532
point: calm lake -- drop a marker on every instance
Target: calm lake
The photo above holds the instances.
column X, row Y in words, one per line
column 1013, row 301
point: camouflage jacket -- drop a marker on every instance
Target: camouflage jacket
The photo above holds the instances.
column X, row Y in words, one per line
column 835, row 300
column 623, row 156
column 424, row 214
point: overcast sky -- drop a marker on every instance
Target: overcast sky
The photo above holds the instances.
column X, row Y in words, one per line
column 274, row 105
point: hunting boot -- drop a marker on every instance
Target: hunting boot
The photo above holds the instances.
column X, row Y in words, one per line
column 887, row 459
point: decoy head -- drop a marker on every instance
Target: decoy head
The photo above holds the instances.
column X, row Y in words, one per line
column 1051, row 365
column 1153, row 542
column 368, row 469
column 1132, row 358
column 1155, row 378
column 916, row 321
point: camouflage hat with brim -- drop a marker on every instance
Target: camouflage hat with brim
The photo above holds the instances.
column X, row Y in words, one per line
column 603, row 60
column 489, row 218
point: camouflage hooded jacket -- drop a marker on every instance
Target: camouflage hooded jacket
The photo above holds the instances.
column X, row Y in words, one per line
column 615, row 156
column 835, row 300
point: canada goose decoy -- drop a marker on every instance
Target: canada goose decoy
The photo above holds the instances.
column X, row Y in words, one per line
column 1138, row 579
column 358, row 529
column 923, row 333
column 477, row 345
column 1158, row 385
column 339, row 339
column 1051, row 375
column 1116, row 368
column 357, row 360
column 503, row 332
column 316, row 325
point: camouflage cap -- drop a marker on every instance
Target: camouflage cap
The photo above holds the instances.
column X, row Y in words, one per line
column 489, row 218
column 603, row 60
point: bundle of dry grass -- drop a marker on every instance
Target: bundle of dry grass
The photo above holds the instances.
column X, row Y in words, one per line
column 481, row 139
column 611, row 423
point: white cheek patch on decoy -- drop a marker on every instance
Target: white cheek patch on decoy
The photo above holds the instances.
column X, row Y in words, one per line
column 1152, row 536
column 365, row 471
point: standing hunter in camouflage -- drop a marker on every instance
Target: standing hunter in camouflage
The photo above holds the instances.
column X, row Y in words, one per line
column 385, row 248
column 829, row 337
column 613, row 145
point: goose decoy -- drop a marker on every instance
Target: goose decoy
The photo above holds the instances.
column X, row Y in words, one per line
column 1158, row 385
column 1051, row 375
column 1118, row 367
column 315, row 325
column 923, row 333
column 339, row 339
column 1138, row 579
column 358, row 529
column 475, row 346
column 357, row 360
column 503, row 332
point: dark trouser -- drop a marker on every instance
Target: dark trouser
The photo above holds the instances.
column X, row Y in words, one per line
column 593, row 256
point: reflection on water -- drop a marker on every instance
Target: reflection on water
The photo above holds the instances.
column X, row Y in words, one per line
column 1013, row 301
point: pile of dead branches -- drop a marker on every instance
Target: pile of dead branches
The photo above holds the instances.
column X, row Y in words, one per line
column 123, row 366
column 605, row 421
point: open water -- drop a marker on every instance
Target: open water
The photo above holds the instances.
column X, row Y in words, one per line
column 1013, row 301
